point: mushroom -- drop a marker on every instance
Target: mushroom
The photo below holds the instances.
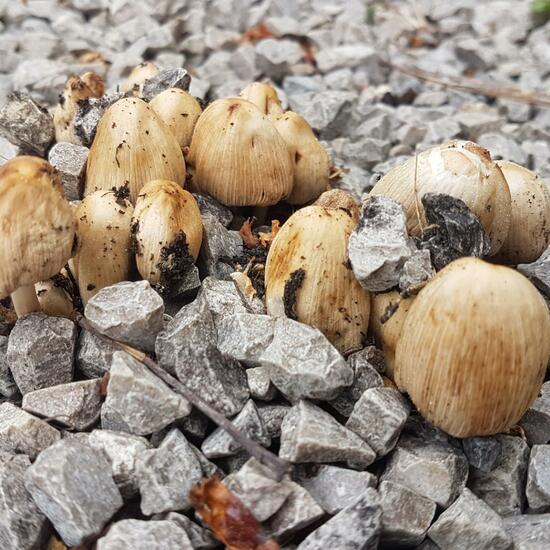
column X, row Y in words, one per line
column 54, row 298
column 167, row 233
column 37, row 229
column 104, row 245
column 264, row 96
column 338, row 198
column 140, row 73
column 474, row 348
column 308, row 276
column 132, row 146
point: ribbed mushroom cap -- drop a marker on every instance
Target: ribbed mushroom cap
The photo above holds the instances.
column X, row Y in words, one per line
column 239, row 157
column 36, row 223
column 132, row 146
column 474, row 348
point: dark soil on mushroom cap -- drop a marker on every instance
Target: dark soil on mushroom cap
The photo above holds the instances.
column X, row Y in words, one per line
column 292, row 285
column 175, row 262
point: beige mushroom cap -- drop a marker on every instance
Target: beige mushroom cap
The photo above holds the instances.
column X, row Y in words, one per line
column 36, row 223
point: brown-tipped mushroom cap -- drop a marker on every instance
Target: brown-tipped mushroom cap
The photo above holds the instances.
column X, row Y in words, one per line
column 338, row 198
column 132, row 146
column 37, row 223
column 138, row 76
column 264, row 96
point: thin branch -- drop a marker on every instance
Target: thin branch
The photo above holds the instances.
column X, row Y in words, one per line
column 532, row 97
column 279, row 466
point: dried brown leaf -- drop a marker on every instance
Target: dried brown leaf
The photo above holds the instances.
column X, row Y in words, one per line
column 257, row 32
column 267, row 238
column 250, row 240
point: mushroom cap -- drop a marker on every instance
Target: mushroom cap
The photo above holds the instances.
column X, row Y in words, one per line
column 36, row 223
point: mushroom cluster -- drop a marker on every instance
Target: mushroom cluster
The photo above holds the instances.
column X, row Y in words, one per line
column 468, row 344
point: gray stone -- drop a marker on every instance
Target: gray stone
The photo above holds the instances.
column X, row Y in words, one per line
column 167, row 474
column 26, row 124
column 7, row 383
column 192, row 326
column 410, row 134
column 272, row 416
column 441, row 130
column 482, row 453
column 219, row 443
column 453, row 231
column 503, row 487
column 142, row 401
column 310, row 434
column 477, row 56
column 245, row 289
column 8, row 150
column 431, row 98
column 259, row 384
column 200, row 538
column 469, row 523
column 195, row 424
column 538, row 153
column 536, row 421
column 303, row 363
column 379, row 245
column 22, row 524
column 255, row 487
column 219, row 246
column 347, row 55
column 298, row 511
column 243, row 62
column 406, row 516
column 211, row 207
column 378, row 418
column 77, row 405
column 129, row 311
column 70, row 161
column 222, row 298
column 434, row 470
column 134, row 534
column 475, row 123
column 122, row 450
column 356, row 527
column 538, row 479
column 41, row 351
column 376, row 126
column 365, row 376
column 334, row 488
column 245, row 336
column 539, row 274
column 208, row 468
column 503, row 147
column 187, row 284
column 165, row 79
column 93, row 355
column 214, row 377
column 365, row 153
column 23, row 433
column 529, row 532
column 275, row 57
column 417, row 271
column 72, row 485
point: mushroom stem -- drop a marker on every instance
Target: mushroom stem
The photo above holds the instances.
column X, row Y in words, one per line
column 25, row 301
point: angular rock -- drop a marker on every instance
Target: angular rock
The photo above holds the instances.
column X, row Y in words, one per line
column 23, row 433
column 70, row 162
column 255, row 487
column 93, row 355
column 79, row 506
column 406, row 516
column 8, row 387
column 245, row 336
column 470, row 523
column 482, row 453
column 434, row 470
column 538, row 479
column 134, row 534
column 195, row 424
column 76, row 405
column 272, row 416
column 222, row 298
column 539, row 274
column 187, row 284
column 475, row 123
column 211, row 207
column 356, row 527
column 208, row 467
column 129, row 311
column 303, row 363
column 41, row 351
column 503, row 487
column 529, row 531
column 22, row 525
column 453, row 231
column 417, row 271
column 214, row 377
column 8, row 150
column 378, row 418
column 166, row 475
column 26, row 124
column 334, row 488
column 260, row 384
column 379, row 246
column 503, row 147
column 275, row 57
column 219, row 443
column 122, row 449
column 143, row 402
column 191, row 326
column 165, row 79
column 348, row 55
column 201, row 539
column 298, row 511
column 309, row 434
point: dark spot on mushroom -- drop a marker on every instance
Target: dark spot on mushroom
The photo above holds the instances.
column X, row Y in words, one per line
column 292, row 285
column 90, row 287
column 121, row 193
column 297, row 157
column 174, row 264
column 233, row 107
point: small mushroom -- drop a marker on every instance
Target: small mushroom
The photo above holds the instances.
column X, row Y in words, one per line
column 308, row 276
column 264, row 96
column 76, row 89
column 338, row 198
column 167, row 232
column 53, row 297
column 37, row 229
column 104, row 245
column 138, row 76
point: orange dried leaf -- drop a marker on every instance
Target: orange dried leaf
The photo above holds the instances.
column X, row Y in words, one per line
column 258, row 32
column 250, row 240
column 267, row 238
column 228, row 518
